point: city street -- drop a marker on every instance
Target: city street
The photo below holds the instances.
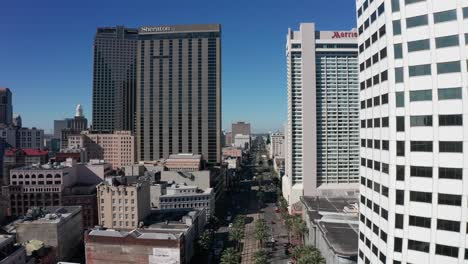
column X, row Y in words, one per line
column 244, row 201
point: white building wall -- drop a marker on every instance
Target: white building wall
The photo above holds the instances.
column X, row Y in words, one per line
column 413, row 167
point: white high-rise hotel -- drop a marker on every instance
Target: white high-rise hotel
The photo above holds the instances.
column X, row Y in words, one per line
column 322, row 133
column 413, row 64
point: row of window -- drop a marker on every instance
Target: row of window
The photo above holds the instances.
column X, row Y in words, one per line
column 425, row 69
column 415, row 121
column 426, row 95
column 427, row 146
column 376, row 165
column 371, row 246
column 376, row 101
column 372, row 39
column 426, row 197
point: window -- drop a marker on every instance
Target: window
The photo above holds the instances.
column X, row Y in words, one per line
column 451, row 146
column 447, row 251
column 383, row 54
column 450, row 120
column 384, row 213
column 399, row 221
column 408, row 2
column 421, row 146
column 384, row 99
column 377, row 144
column 448, row 67
column 383, row 236
column 423, row 197
column 381, row 9
column 448, row 225
column 399, row 75
column 420, row 171
column 416, row 21
column 448, row 41
column 400, row 146
column 396, row 27
column 385, row 142
column 420, row 221
column 400, row 197
column 420, row 70
column 449, row 199
column 376, row 122
column 384, row 167
column 422, row 95
column 400, row 99
column 418, row 45
column 400, row 173
column 450, row 173
column 400, row 123
column 423, row 120
column 385, row 122
column 398, row 244
column 418, row 245
column 395, row 6
column 382, row 31
column 398, row 51
column 385, row 191
column 445, row 16
column 449, row 93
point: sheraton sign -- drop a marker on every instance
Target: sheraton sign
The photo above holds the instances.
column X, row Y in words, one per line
column 338, row 34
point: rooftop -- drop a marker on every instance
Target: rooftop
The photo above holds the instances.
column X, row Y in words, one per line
column 27, row 152
column 185, row 156
column 337, row 218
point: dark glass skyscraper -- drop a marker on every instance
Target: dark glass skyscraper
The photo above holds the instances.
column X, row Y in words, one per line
column 179, row 91
column 6, row 107
column 114, row 78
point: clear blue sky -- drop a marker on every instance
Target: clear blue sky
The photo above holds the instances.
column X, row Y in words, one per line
column 46, row 50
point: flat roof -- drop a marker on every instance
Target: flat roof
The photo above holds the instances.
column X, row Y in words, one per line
column 337, row 219
column 342, row 237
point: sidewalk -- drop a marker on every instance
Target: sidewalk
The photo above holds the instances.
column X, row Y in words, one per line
column 250, row 244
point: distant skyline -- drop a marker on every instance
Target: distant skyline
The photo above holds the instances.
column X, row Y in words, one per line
column 46, row 53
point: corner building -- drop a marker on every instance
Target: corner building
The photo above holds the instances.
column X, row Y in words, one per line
column 179, row 91
column 413, row 64
column 322, row 131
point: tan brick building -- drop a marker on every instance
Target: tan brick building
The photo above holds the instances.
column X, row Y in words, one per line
column 123, row 206
column 117, row 148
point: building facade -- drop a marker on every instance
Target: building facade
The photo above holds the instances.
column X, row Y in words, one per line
column 59, row 227
column 413, row 78
column 6, row 107
column 117, row 148
column 179, row 67
column 123, row 206
column 277, row 145
column 114, row 78
column 323, row 111
column 242, row 128
column 189, row 197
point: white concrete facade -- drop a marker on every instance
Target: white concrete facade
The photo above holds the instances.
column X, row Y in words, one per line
column 413, row 76
column 277, row 145
column 322, row 131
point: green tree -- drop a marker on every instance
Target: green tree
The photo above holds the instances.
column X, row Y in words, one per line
column 236, row 234
column 300, row 251
column 230, row 256
column 299, row 227
column 261, row 231
column 313, row 257
column 261, row 257
column 205, row 240
column 288, row 224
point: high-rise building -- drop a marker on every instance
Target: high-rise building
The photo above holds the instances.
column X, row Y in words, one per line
column 323, row 112
column 179, row 91
column 413, row 88
column 114, row 78
column 240, row 128
column 6, row 107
